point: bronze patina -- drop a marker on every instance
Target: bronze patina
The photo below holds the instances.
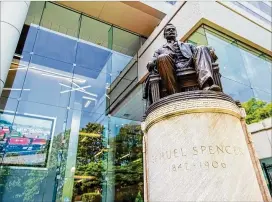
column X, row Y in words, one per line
column 178, row 67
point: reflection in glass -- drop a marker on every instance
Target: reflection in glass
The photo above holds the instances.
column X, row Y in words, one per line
column 46, row 79
column 89, row 166
column 127, row 162
column 16, row 76
column 29, row 31
column 236, row 90
column 198, row 37
column 262, row 95
column 55, row 45
column 94, row 31
column 229, row 58
column 258, row 71
column 124, row 42
column 61, row 20
column 62, row 70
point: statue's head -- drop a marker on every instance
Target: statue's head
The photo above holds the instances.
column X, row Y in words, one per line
column 170, row 32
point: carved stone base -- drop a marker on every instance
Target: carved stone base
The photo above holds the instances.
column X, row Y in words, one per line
column 195, row 150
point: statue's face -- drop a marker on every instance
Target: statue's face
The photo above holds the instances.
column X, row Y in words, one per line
column 170, row 32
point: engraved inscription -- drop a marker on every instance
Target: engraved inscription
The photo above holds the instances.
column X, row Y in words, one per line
column 196, row 152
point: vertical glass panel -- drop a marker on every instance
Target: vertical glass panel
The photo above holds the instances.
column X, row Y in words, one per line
column 34, row 13
column 262, row 6
column 125, row 42
column 262, row 95
column 126, row 140
column 23, row 184
column 237, row 91
column 93, row 52
column 7, row 113
column 92, row 56
column 47, row 81
column 198, row 37
column 258, row 70
column 16, row 76
column 121, row 88
column 91, row 163
column 57, row 36
column 94, row 31
column 29, row 31
column 60, row 20
column 229, row 57
column 41, row 125
column 89, row 95
column 119, row 63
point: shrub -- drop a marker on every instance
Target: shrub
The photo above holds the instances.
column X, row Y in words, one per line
column 257, row 110
column 91, row 197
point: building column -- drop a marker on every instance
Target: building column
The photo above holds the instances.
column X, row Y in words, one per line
column 13, row 15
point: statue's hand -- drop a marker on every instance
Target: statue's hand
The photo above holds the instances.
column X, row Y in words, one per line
column 151, row 65
column 212, row 52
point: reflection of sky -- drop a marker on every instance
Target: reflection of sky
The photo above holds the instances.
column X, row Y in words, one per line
column 54, row 59
column 59, row 55
column 229, row 58
column 244, row 75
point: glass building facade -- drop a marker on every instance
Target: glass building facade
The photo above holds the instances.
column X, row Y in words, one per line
column 58, row 141
column 246, row 72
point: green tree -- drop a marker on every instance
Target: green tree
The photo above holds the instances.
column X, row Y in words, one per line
column 257, row 110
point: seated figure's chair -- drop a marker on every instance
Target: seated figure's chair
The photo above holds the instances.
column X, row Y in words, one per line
column 187, row 80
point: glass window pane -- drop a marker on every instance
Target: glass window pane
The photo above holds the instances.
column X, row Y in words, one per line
column 32, row 121
column 92, row 57
column 7, row 113
column 230, row 61
column 47, row 80
column 55, row 45
column 125, row 42
column 16, row 76
column 198, row 37
column 120, row 63
column 94, row 31
column 262, row 95
column 57, row 36
column 34, row 13
column 29, row 31
column 90, row 94
column 258, row 70
column 59, row 19
column 127, row 159
column 236, row 90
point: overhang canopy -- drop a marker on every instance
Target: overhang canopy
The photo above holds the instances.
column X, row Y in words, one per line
column 134, row 16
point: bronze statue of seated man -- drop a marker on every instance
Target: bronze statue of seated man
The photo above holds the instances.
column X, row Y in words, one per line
column 176, row 55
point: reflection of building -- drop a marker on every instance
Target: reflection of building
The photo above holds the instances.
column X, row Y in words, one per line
column 83, row 62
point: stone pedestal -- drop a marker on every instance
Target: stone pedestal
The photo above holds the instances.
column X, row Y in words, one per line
column 196, row 150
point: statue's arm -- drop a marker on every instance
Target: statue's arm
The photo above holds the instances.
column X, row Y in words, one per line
column 193, row 48
column 152, row 63
column 212, row 51
column 213, row 55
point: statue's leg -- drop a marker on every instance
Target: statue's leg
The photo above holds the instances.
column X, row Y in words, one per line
column 203, row 66
column 165, row 65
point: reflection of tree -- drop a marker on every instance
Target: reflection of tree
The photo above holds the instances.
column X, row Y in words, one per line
column 28, row 185
column 257, row 110
column 89, row 160
column 128, row 164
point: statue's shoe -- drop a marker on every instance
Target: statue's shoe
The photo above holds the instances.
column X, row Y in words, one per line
column 213, row 88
